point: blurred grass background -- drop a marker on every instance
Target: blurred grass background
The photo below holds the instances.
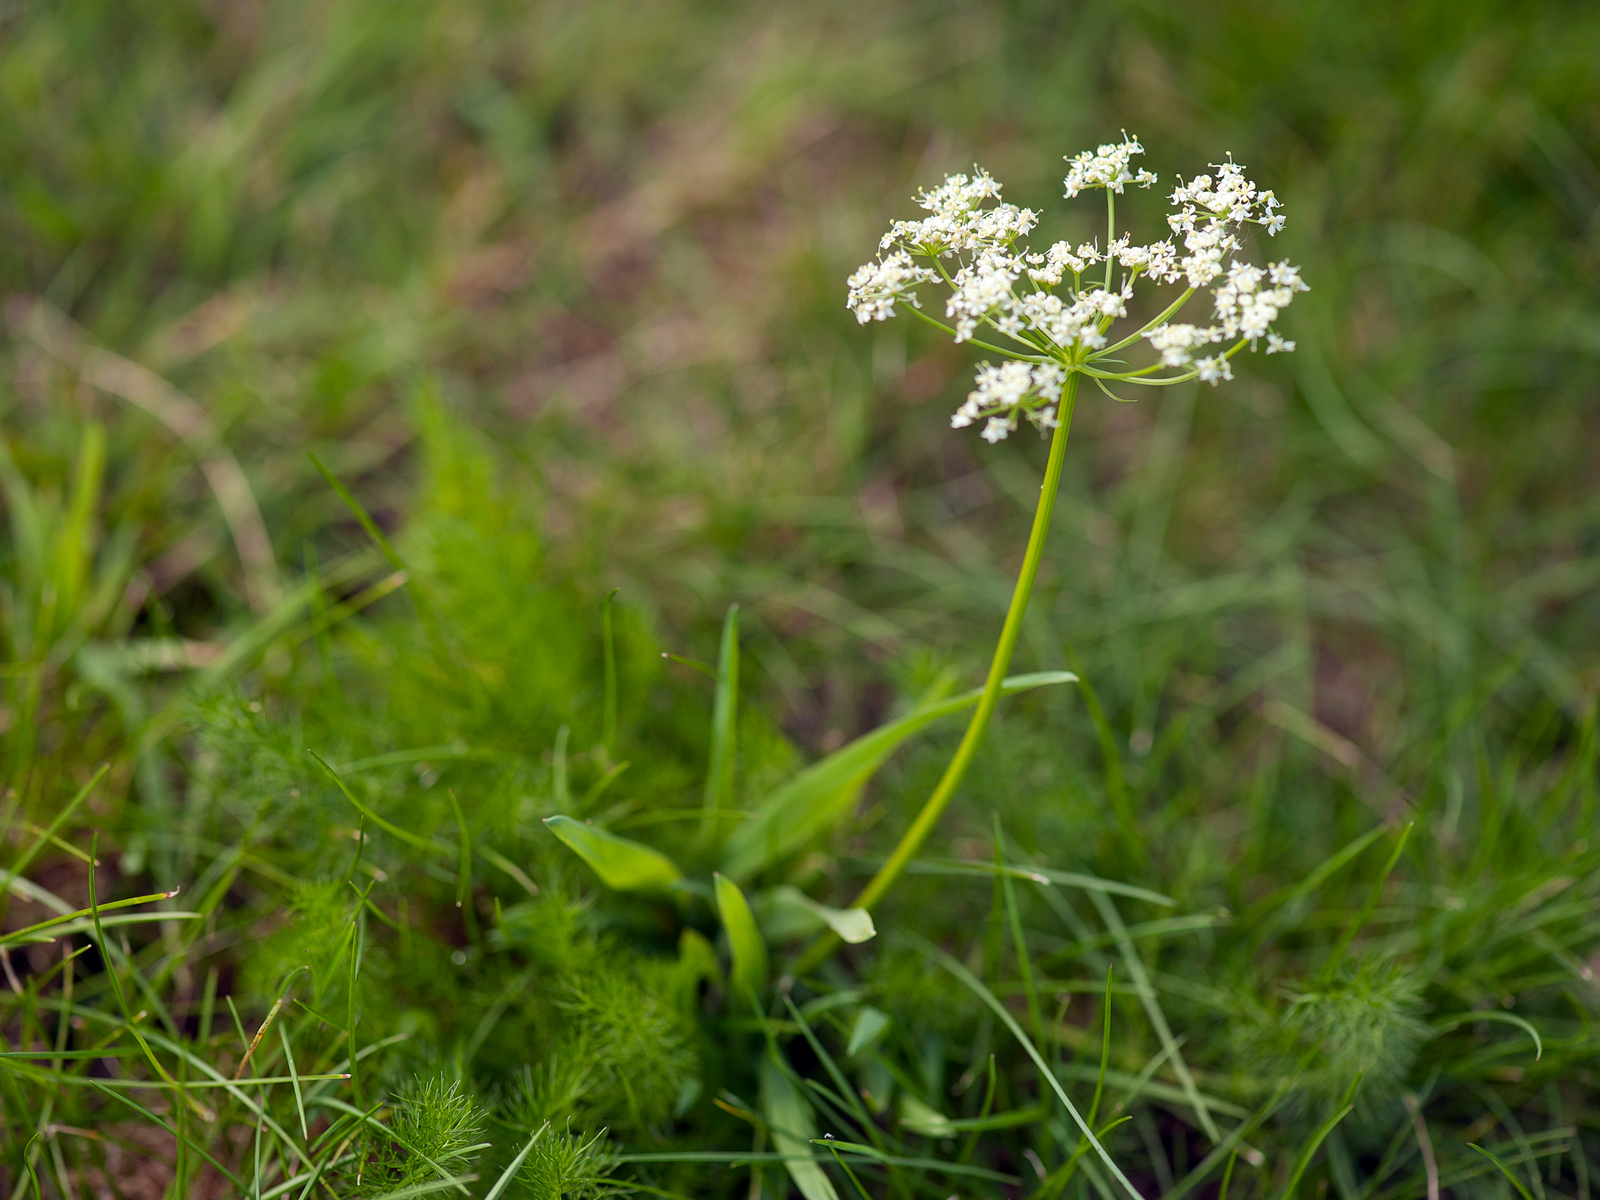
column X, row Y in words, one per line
column 615, row 235
column 1358, row 584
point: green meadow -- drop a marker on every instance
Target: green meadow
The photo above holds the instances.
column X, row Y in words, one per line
column 477, row 610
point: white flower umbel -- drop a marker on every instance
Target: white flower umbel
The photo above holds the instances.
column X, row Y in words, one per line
column 1057, row 325
column 1055, row 329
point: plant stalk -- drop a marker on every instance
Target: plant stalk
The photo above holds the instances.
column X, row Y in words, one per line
column 936, row 803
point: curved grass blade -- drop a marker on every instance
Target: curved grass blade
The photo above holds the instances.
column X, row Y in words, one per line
column 623, row 865
column 926, row 1164
column 363, row 517
column 1456, row 1022
column 1032, row 874
column 1311, row 1147
column 1522, row 1189
column 405, row 835
column 818, row 796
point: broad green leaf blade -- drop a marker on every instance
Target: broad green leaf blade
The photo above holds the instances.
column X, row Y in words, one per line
column 793, row 1126
column 853, row 925
column 868, row 1028
column 785, row 911
column 920, row 1118
column 744, row 939
column 724, row 723
column 818, row 796
column 623, row 865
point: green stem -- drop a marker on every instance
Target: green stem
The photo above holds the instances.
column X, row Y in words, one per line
column 1111, row 231
column 935, row 805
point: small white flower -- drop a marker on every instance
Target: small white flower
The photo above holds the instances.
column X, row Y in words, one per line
column 876, row 286
column 1276, row 345
column 1214, row 370
column 1106, row 167
column 1056, row 262
column 1174, row 342
column 980, row 289
column 1283, row 275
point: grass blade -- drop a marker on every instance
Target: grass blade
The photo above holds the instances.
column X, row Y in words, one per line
column 724, row 725
column 515, row 1165
column 405, row 835
column 1522, row 1189
column 608, row 717
column 976, row 986
column 1158, row 1019
column 361, row 514
column 1456, row 1022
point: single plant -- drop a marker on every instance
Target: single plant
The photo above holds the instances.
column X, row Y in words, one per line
column 1058, row 330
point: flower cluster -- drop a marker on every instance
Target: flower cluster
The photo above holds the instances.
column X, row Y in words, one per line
column 1108, row 167
column 1212, row 212
column 877, row 285
column 960, row 224
column 1008, row 389
column 1060, row 324
column 1246, row 311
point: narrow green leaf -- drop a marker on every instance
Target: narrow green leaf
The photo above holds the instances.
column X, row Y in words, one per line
column 405, row 835
column 793, row 1126
column 608, row 718
column 48, row 834
column 623, row 865
column 1041, row 875
column 510, row 1172
column 464, row 857
column 361, row 514
column 1522, row 1189
column 817, row 797
column 1152, row 1007
column 724, row 723
column 1359, row 921
column 294, row 1078
column 1310, row 1150
column 744, row 939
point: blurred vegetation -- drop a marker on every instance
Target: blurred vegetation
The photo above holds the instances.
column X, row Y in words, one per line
column 557, row 290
